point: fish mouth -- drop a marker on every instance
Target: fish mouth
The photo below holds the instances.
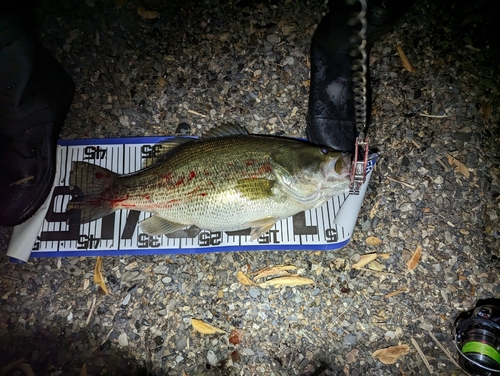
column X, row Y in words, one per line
column 339, row 167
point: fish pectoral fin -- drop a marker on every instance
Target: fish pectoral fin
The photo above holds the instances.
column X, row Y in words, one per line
column 254, row 189
column 156, row 225
column 261, row 226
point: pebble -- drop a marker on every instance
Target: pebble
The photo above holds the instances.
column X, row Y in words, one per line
column 254, row 292
column 350, row 339
column 273, row 38
column 123, row 340
column 212, row 358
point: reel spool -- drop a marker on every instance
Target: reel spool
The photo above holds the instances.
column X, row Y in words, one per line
column 477, row 338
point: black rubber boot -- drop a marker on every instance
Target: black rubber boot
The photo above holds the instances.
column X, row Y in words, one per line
column 331, row 117
column 35, row 96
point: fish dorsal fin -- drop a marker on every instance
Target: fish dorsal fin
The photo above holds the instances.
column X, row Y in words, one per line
column 161, row 150
column 226, row 130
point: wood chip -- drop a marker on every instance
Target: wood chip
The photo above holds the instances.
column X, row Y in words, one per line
column 390, row 355
column 397, row 292
column 458, row 166
column 365, row 260
column 373, row 240
column 413, row 261
column 205, row 328
column 404, row 59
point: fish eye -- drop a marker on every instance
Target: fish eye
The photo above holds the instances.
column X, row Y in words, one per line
column 324, row 150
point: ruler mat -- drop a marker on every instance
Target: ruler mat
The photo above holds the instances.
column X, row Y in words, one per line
column 118, row 233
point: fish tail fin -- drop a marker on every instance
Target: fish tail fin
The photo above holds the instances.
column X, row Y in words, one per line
column 88, row 183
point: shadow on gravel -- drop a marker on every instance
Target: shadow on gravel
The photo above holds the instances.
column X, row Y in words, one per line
column 46, row 351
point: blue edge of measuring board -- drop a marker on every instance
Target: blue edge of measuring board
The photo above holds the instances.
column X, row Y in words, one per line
column 189, row 251
column 155, row 139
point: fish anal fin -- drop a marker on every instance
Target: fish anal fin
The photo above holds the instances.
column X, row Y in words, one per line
column 261, row 226
column 254, row 189
column 156, row 225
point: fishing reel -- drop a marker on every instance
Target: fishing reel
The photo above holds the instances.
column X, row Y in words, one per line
column 477, row 338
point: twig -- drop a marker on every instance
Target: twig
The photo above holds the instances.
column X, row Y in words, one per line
column 107, row 335
column 435, row 116
column 23, row 180
column 446, row 168
column 281, row 121
column 397, row 292
column 345, row 310
column 420, row 352
column 91, row 310
column 416, row 144
column 379, row 271
column 401, row 182
column 445, row 350
column 196, row 113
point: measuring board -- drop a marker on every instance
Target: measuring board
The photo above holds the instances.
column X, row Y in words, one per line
column 118, row 233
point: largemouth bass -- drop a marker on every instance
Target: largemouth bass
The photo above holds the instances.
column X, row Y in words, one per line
column 227, row 180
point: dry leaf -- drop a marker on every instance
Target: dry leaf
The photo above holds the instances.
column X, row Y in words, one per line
column 373, row 240
column 236, row 336
column 83, row 372
column 98, row 278
column 269, row 271
column 205, row 328
column 289, row 280
column 390, row 355
column 375, row 265
column 244, row 280
column 458, row 166
column 406, row 63
column 365, row 260
column 147, row 14
column 384, row 256
column 286, row 267
column 486, row 108
column 412, row 263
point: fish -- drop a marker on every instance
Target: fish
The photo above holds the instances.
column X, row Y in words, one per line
column 226, row 180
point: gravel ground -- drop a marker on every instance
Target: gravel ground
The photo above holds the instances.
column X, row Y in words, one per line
column 196, row 66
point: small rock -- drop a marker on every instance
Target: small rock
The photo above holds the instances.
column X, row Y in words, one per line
column 124, row 120
column 166, row 280
column 211, row 358
column 254, row 292
column 126, row 300
column 123, row 340
column 248, row 352
column 273, row 38
column 350, row 339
